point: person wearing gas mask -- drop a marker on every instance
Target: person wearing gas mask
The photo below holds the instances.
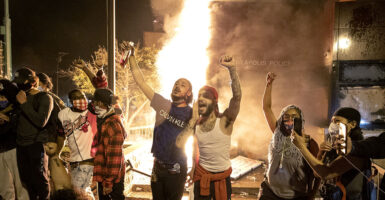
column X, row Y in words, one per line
column 10, row 184
column 79, row 128
column 109, row 164
column 170, row 162
column 32, row 134
column 287, row 175
column 348, row 181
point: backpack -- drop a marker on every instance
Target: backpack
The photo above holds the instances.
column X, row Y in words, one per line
column 53, row 126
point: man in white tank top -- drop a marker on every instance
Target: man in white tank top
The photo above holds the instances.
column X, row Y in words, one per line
column 211, row 173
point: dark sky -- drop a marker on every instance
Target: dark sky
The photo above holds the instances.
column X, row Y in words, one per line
column 41, row 29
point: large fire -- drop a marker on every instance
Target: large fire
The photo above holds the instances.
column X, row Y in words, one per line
column 185, row 54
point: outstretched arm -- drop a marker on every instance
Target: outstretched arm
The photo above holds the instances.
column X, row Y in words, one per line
column 83, row 66
column 338, row 167
column 232, row 111
column 266, row 104
column 138, row 76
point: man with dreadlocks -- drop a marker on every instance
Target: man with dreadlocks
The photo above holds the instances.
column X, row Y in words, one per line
column 211, row 173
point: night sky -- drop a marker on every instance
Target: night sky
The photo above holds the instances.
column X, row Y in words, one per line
column 41, row 29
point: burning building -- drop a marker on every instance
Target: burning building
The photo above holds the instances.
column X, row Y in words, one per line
column 326, row 54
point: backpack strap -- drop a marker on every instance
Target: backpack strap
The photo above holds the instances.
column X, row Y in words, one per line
column 342, row 188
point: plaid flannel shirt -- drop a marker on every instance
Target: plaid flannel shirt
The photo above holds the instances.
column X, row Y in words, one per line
column 109, row 166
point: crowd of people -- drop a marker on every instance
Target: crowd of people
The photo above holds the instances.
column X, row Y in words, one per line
column 35, row 124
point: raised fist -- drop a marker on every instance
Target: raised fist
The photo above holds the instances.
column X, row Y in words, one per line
column 270, row 78
column 227, row 61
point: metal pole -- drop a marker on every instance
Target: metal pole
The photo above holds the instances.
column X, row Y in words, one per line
column 59, row 60
column 111, row 43
column 8, row 49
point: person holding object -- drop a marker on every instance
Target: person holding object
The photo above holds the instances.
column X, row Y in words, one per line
column 350, row 182
column 170, row 162
column 287, row 175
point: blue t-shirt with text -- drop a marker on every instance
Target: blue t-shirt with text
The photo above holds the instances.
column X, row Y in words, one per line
column 170, row 122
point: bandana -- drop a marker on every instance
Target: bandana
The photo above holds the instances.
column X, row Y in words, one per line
column 80, row 104
column 214, row 97
column 212, row 91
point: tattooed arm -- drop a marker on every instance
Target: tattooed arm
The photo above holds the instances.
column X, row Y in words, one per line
column 189, row 130
column 59, row 175
column 232, row 111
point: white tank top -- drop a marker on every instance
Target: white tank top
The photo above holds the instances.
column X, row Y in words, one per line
column 214, row 149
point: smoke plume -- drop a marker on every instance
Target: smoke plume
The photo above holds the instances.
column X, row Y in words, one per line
column 287, row 37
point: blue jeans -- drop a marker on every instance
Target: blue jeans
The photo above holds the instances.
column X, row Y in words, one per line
column 81, row 176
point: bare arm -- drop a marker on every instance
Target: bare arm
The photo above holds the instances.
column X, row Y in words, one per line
column 59, row 175
column 83, row 66
column 315, row 183
column 181, row 139
column 138, row 76
column 266, row 104
column 338, row 167
column 232, row 111
column 189, row 130
column 195, row 157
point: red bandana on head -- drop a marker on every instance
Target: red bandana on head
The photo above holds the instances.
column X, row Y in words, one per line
column 212, row 91
column 214, row 97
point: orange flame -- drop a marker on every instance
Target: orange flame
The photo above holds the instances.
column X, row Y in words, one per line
column 185, row 54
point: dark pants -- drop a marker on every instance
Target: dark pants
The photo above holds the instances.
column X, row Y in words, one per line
column 266, row 193
column 166, row 185
column 116, row 194
column 382, row 187
column 33, row 169
column 197, row 190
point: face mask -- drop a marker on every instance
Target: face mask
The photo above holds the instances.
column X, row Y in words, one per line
column 334, row 128
column 288, row 125
column 3, row 104
column 24, row 86
column 80, row 104
column 100, row 111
